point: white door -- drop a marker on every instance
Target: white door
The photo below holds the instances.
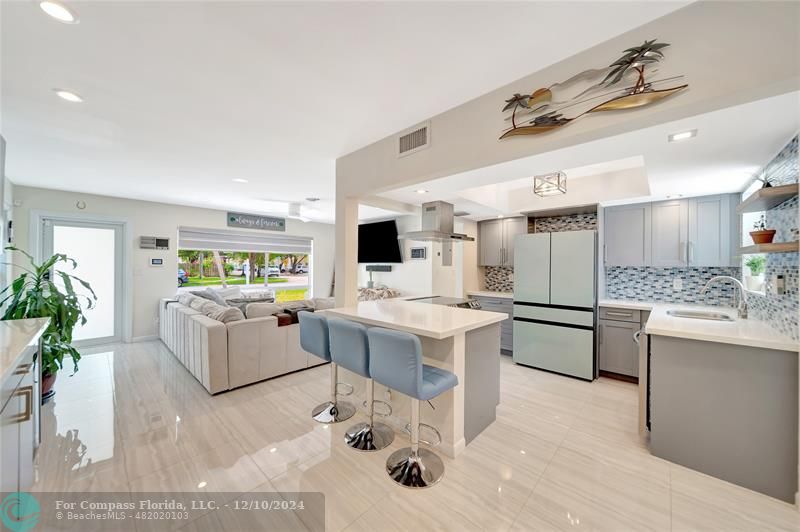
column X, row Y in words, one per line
column 96, row 247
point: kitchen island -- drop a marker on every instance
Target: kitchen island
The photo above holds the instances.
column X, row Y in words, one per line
column 463, row 341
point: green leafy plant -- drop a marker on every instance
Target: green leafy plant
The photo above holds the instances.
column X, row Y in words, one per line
column 756, row 264
column 34, row 294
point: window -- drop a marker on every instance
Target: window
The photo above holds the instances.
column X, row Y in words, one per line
column 249, row 260
column 752, row 265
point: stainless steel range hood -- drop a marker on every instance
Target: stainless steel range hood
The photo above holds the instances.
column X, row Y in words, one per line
column 437, row 225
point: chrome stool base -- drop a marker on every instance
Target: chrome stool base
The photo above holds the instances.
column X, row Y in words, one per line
column 421, row 471
column 363, row 438
column 333, row 412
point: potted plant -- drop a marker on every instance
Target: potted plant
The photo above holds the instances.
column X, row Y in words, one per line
column 755, row 281
column 34, row 294
column 760, row 234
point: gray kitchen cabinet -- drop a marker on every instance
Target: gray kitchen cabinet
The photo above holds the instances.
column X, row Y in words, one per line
column 713, row 231
column 700, row 231
column 497, row 240
column 670, row 233
column 490, row 234
column 506, row 306
column 627, row 235
column 618, row 350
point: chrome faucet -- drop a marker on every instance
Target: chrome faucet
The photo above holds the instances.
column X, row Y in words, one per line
column 742, row 306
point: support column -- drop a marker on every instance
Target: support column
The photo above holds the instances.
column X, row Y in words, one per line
column 346, row 251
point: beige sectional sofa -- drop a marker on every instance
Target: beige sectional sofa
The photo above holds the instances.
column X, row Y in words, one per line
column 224, row 348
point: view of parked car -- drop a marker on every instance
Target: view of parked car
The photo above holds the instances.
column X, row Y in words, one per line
column 301, row 268
column 274, row 271
column 183, row 277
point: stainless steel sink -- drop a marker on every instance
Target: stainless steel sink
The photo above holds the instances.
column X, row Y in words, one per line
column 700, row 315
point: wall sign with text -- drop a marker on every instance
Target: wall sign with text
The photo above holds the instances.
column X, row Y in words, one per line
column 255, row 221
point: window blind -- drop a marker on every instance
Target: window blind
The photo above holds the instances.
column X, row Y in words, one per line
column 226, row 240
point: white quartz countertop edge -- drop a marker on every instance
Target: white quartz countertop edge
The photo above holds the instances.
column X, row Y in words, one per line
column 489, row 293
column 626, row 304
column 422, row 319
column 15, row 337
column 749, row 332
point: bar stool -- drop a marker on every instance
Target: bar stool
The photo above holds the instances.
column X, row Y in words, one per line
column 395, row 361
column 350, row 350
column 314, row 339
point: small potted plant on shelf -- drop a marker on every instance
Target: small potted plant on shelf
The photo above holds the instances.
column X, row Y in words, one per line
column 760, row 234
column 755, row 281
column 35, row 294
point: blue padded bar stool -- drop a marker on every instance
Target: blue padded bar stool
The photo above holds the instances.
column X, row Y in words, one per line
column 395, row 360
column 350, row 350
column 314, row 339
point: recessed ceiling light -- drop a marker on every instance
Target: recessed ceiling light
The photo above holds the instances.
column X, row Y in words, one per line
column 499, row 215
column 670, row 196
column 239, row 180
column 59, row 11
column 421, row 191
column 683, row 135
column 312, row 199
column 68, row 95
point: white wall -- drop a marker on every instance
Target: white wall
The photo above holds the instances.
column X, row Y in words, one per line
column 149, row 284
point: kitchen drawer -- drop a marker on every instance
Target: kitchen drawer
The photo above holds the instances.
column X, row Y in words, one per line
column 620, row 314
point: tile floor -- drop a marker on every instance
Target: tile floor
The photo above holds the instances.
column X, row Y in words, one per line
column 563, row 454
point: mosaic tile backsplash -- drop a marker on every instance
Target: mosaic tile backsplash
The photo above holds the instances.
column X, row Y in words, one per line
column 646, row 283
column 781, row 311
column 499, row 279
column 556, row 224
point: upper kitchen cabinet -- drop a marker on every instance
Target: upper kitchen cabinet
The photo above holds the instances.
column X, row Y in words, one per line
column 713, row 231
column 699, row 231
column 670, row 233
column 627, row 235
column 497, row 240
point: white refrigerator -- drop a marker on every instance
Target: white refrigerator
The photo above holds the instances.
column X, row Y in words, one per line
column 555, row 302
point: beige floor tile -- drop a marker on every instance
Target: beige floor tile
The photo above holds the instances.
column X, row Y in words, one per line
column 701, row 502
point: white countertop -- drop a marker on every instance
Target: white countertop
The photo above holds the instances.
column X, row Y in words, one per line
column 627, row 304
column 749, row 332
column 15, row 336
column 423, row 319
column 489, row 293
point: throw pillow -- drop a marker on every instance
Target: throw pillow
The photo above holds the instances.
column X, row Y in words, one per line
column 324, row 303
column 232, row 291
column 215, row 296
column 221, row 313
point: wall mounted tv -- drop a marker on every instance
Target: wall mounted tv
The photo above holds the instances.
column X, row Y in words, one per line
column 377, row 242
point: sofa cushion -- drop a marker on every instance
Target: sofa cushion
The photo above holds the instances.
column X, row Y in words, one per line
column 259, row 310
column 324, row 303
column 186, row 299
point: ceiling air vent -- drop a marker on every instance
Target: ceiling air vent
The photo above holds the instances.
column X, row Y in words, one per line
column 414, row 139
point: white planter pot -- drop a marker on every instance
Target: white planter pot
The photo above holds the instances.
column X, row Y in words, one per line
column 754, row 282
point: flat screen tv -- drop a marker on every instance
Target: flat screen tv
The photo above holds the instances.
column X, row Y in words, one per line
column 377, row 243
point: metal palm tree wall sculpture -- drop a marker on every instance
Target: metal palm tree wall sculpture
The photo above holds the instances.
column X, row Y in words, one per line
column 553, row 107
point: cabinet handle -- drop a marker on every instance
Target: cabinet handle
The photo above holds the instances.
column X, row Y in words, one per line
column 605, row 254
column 27, row 391
column 636, row 336
column 683, row 250
column 621, row 314
column 690, row 246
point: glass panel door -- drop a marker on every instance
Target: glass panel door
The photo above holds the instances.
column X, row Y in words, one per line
column 97, row 249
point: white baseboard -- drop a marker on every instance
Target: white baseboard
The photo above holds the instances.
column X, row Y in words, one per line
column 148, row 338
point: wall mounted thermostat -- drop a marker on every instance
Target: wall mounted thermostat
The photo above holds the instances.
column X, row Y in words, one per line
column 419, row 253
column 153, row 242
column 156, row 262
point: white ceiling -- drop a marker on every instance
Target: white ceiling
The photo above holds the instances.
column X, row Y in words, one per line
column 730, row 146
column 183, row 97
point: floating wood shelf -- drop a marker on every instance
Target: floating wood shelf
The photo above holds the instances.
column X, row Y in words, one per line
column 767, row 198
column 775, row 247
